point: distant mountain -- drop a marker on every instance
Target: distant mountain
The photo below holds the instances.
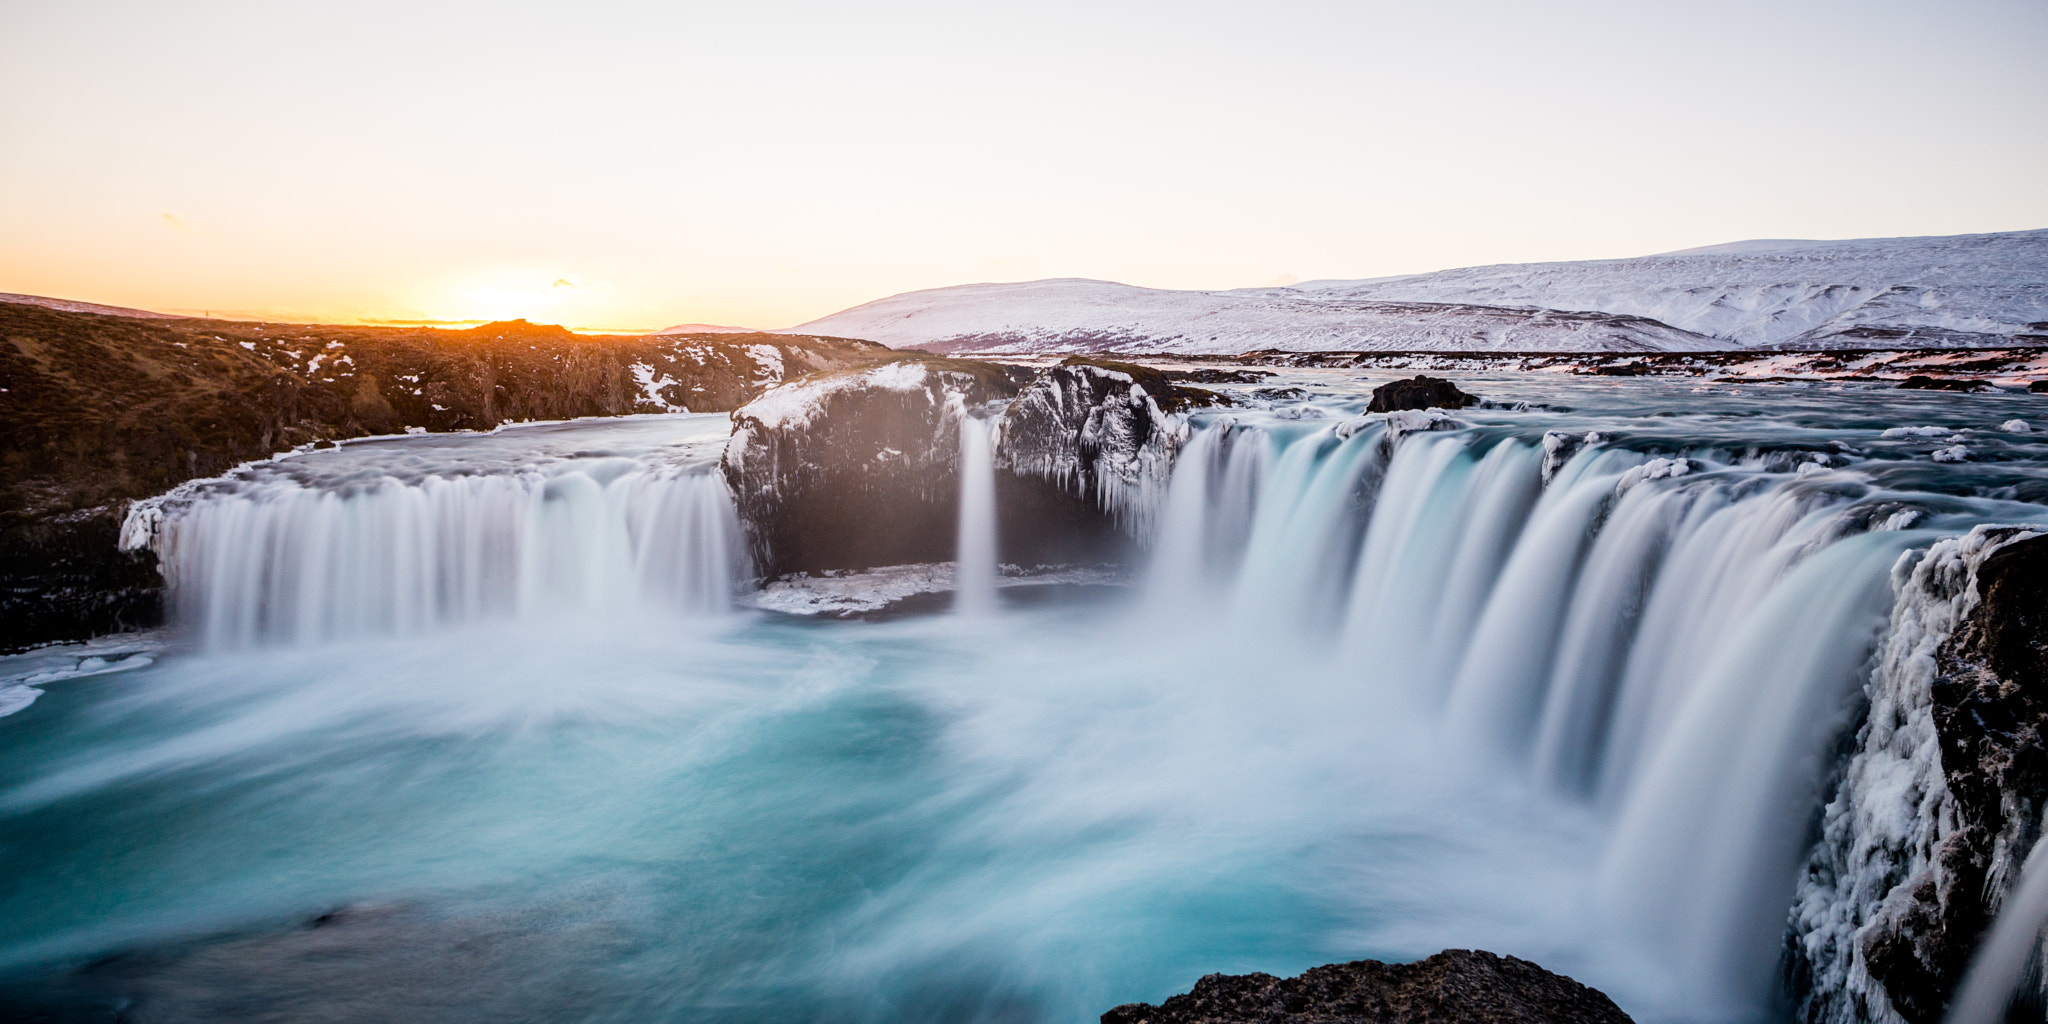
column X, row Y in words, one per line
column 1955, row 291
column 69, row 306
column 1072, row 315
column 706, row 329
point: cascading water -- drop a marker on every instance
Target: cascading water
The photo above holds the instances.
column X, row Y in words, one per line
column 1673, row 637
column 1386, row 686
column 297, row 550
column 975, row 564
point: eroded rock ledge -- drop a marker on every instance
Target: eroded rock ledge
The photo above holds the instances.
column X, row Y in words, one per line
column 860, row 468
column 857, row 468
column 1456, row 986
column 1102, row 430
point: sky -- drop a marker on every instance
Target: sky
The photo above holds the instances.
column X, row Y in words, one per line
column 628, row 166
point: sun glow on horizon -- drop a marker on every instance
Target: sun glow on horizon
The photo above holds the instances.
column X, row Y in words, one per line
column 576, row 171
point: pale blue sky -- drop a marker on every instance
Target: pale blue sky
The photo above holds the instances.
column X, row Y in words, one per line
column 767, row 163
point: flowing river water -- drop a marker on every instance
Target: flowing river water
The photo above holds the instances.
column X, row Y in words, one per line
column 470, row 727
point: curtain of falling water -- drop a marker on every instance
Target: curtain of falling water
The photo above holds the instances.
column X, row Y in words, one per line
column 1666, row 639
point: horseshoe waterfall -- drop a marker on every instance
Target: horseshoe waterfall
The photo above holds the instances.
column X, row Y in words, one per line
column 1670, row 691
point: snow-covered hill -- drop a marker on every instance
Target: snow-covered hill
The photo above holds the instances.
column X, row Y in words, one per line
column 1961, row 291
column 706, row 329
column 70, row 306
column 1072, row 315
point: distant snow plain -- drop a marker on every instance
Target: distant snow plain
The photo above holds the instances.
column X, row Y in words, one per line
column 1955, row 291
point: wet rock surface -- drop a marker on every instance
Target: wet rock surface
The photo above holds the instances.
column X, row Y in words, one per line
column 1922, row 382
column 1456, row 986
column 1941, row 799
column 1419, row 392
column 62, row 577
column 1100, row 430
column 99, row 410
column 858, row 468
column 1991, row 715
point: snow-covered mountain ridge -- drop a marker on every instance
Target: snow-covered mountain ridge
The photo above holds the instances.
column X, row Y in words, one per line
column 1949, row 291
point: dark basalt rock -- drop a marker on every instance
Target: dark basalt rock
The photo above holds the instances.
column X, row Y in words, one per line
column 1921, row 382
column 1419, row 392
column 857, row 468
column 1099, row 430
column 1991, row 714
column 63, row 578
column 1904, row 909
column 1456, row 986
column 1211, row 375
column 860, row 468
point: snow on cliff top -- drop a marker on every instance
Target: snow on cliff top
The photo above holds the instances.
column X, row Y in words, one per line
column 796, row 403
column 1960, row 290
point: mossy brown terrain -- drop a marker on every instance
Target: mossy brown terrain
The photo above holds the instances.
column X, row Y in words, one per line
column 96, row 411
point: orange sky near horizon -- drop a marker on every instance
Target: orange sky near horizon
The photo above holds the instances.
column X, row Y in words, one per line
column 628, row 166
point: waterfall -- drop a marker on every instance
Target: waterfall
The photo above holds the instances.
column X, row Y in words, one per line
column 1674, row 639
column 975, row 564
column 267, row 556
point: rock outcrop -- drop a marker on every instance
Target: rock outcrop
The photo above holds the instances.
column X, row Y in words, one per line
column 857, row 468
column 1940, row 800
column 1456, row 986
column 1101, row 430
column 97, row 410
column 1419, row 392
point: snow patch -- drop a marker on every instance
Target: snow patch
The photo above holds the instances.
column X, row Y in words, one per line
column 793, row 405
column 769, row 360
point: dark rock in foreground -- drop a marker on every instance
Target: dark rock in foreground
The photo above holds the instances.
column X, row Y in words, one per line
column 1456, row 986
column 1419, row 392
